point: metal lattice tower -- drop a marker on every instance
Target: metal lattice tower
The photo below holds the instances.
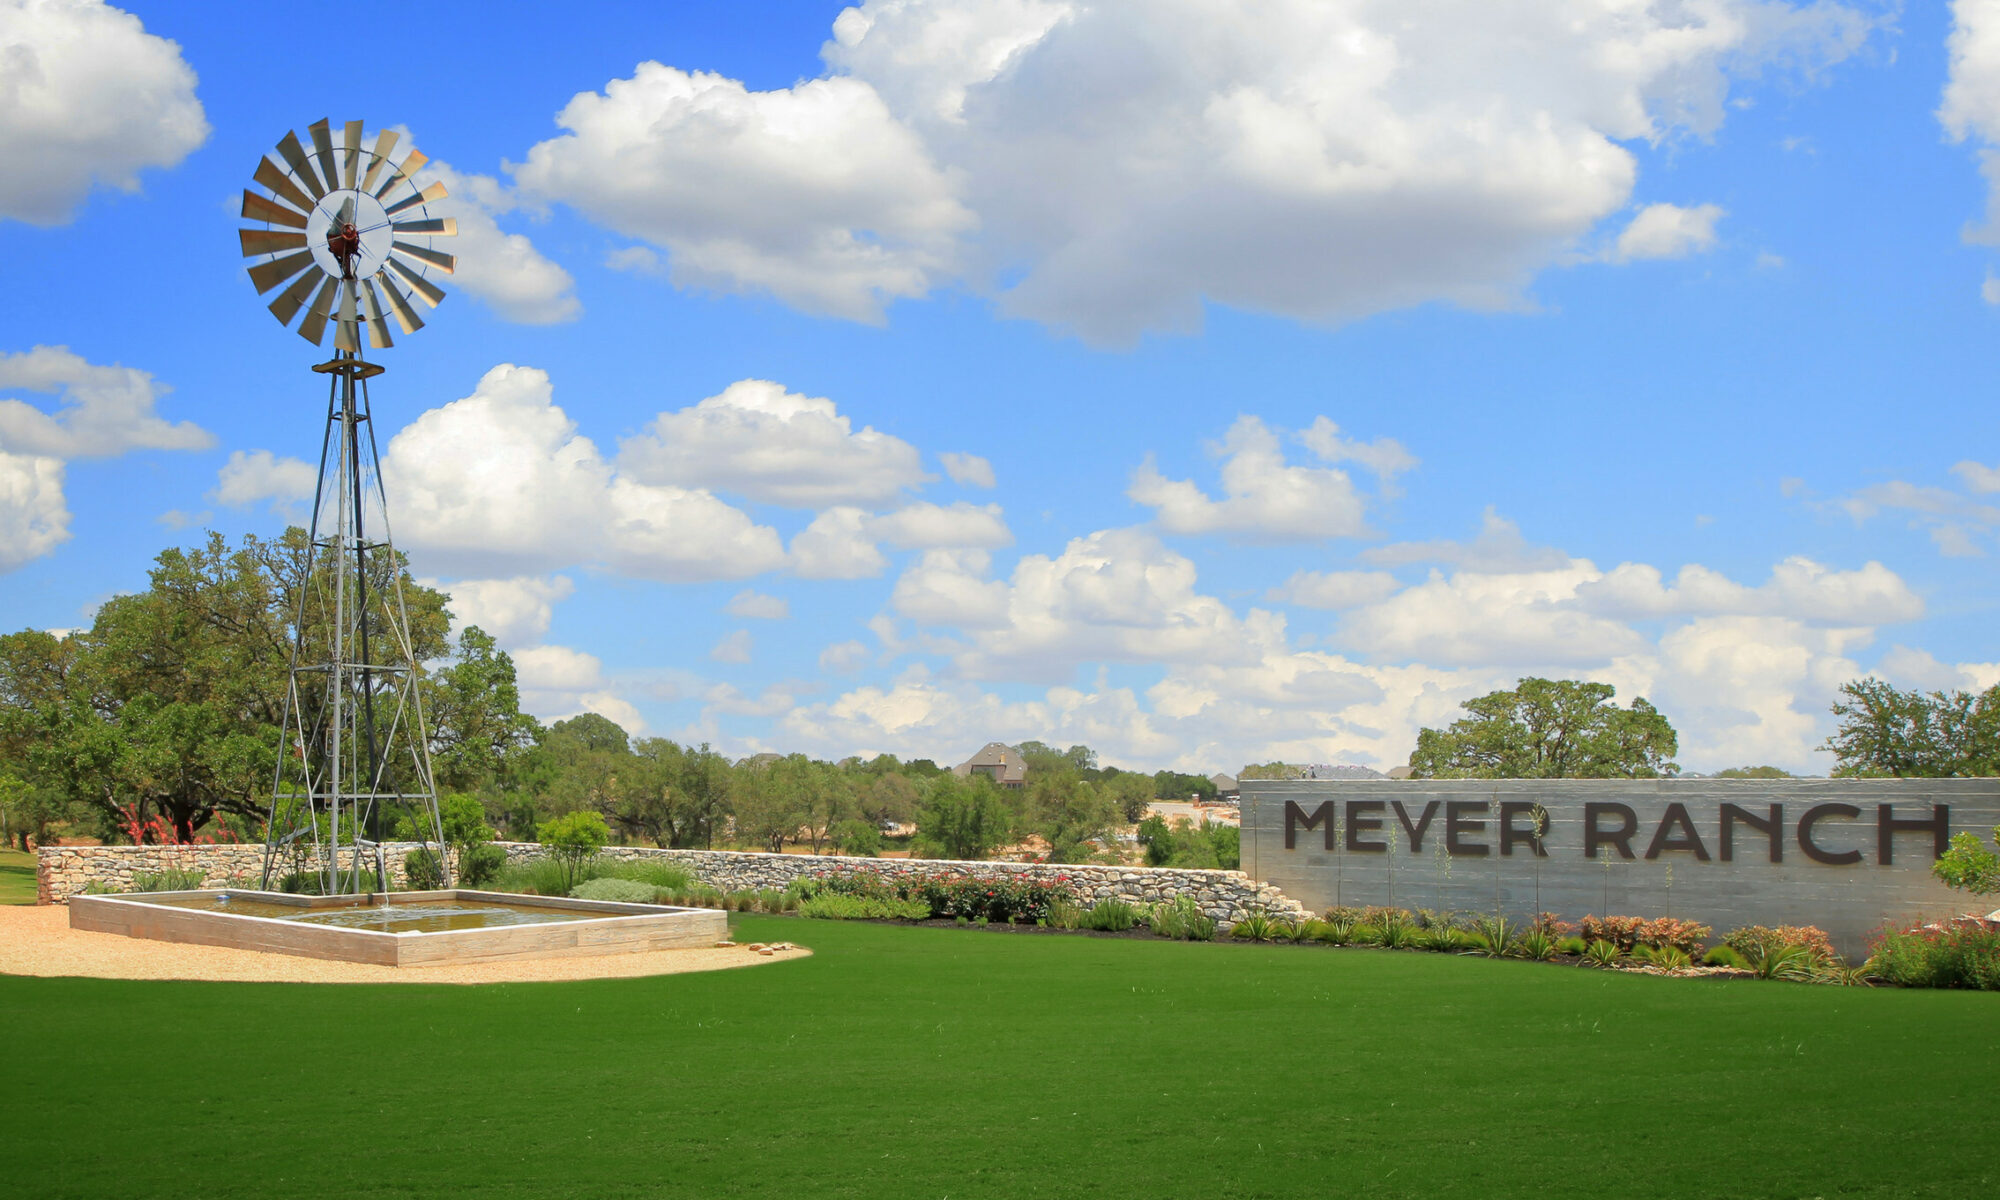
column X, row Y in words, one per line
column 356, row 751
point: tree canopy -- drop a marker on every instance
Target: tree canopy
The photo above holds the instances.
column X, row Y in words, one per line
column 1886, row 731
column 1549, row 729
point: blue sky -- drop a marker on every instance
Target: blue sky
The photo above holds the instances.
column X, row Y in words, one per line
column 1205, row 382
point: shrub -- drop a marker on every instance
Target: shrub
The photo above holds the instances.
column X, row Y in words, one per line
column 97, row 887
column 423, row 870
column 1111, row 915
column 1628, row 933
column 538, row 877
column 1338, row 932
column 1669, row 958
column 1441, row 938
column 169, row 879
column 479, row 865
column 838, row 907
column 1754, row 941
column 1261, row 927
column 572, row 841
column 621, row 891
column 1551, row 924
column 770, row 900
column 1572, row 945
column 1181, row 918
column 1364, row 934
column 1956, row 954
column 1398, row 933
column 648, row 870
column 1062, row 915
column 1493, row 936
column 1600, row 953
column 1724, row 956
column 1535, row 945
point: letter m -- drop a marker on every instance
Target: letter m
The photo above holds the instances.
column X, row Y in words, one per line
column 1296, row 819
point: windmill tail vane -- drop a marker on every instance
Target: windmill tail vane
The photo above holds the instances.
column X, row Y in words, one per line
column 345, row 235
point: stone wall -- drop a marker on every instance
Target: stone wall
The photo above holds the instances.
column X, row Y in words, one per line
column 1228, row 896
column 1225, row 895
column 63, row 871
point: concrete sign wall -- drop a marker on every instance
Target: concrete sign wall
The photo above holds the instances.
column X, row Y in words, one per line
column 1845, row 855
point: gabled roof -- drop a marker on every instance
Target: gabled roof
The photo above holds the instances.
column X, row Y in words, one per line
column 1223, row 781
column 1001, row 761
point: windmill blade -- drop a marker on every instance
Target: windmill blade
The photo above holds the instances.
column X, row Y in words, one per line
column 269, row 241
column 257, row 208
column 434, row 192
column 437, row 258
column 313, row 328
column 378, row 330
column 273, row 176
column 405, row 315
column 412, row 163
column 344, row 334
column 269, row 275
column 432, row 294
column 350, row 153
column 286, row 306
column 295, row 156
column 385, row 142
column 435, row 226
column 322, row 138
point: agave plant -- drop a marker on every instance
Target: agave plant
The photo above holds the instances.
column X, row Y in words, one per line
column 1842, row 975
column 1536, row 946
column 1339, row 932
column 1601, row 953
column 1667, row 958
column 1398, row 935
column 1790, row 961
column 1494, row 936
column 1259, row 927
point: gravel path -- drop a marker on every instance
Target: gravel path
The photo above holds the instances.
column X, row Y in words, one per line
column 37, row 940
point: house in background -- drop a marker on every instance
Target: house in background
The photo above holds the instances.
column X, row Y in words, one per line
column 997, row 761
column 1225, row 786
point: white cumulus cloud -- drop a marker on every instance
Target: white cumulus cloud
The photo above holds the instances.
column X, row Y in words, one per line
column 99, row 412
column 514, row 611
column 501, row 483
column 1265, row 499
column 34, row 517
column 768, row 444
column 816, row 194
column 87, row 97
column 258, row 476
column 1110, row 168
column 758, row 606
column 1668, row 231
column 968, row 469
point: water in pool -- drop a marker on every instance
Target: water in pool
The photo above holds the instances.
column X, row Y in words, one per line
column 419, row 916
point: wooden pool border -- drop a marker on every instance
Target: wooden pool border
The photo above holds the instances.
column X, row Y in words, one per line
column 601, row 927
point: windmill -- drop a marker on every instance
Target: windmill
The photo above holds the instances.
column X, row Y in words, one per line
column 342, row 230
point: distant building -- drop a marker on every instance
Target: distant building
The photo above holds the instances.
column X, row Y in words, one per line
column 997, row 761
column 1402, row 772
column 1225, row 785
column 761, row 760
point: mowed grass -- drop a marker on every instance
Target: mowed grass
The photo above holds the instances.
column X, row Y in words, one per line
column 932, row 1063
column 17, row 877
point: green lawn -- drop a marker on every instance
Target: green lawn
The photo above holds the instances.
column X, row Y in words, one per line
column 17, row 877
column 931, row 1063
